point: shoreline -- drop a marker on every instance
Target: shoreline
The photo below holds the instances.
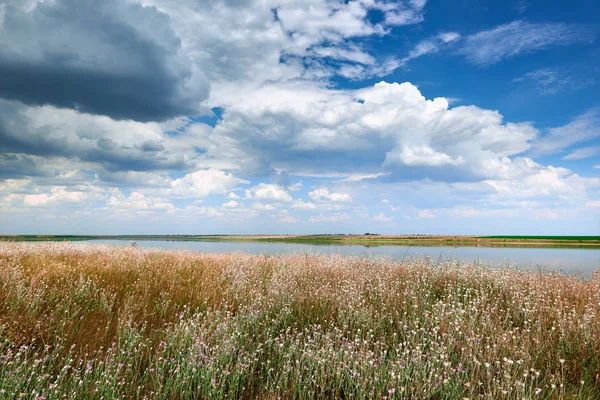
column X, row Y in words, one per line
column 589, row 242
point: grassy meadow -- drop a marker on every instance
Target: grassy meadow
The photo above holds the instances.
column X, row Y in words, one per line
column 93, row 321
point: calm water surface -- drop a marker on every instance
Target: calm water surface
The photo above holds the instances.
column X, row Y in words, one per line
column 572, row 261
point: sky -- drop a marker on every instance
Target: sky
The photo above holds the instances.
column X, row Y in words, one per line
column 300, row 116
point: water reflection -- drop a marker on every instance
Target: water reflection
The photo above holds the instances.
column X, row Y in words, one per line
column 569, row 260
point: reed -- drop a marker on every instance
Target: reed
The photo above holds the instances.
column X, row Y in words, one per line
column 93, row 321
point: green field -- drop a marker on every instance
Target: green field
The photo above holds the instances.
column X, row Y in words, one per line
column 581, row 238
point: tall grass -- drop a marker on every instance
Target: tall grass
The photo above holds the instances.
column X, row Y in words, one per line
column 90, row 321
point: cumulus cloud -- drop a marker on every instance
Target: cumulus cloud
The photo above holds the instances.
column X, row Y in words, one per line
column 58, row 194
column 393, row 129
column 243, row 44
column 203, row 183
column 112, row 58
column 287, row 218
column 521, row 37
column 270, row 192
column 262, row 207
column 138, row 202
column 36, row 199
column 323, row 194
column 50, row 132
column 425, row 214
column 302, row 205
column 13, row 185
column 231, row 204
column 524, row 178
column 97, row 98
column 381, row 218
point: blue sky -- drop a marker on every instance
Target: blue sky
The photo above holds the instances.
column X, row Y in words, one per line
column 306, row 116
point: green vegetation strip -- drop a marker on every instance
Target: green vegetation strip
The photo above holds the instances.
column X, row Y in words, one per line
column 366, row 240
column 582, row 238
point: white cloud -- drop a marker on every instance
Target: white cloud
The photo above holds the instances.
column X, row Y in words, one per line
column 471, row 212
column 526, row 179
column 422, row 156
column 263, row 207
column 582, row 128
column 137, row 201
column 519, row 37
column 270, row 64
column 13, row 185
column 36, row 199
column 52, row 132
column 243, row 44
column 554, row 80
column 425, row 214
column 336, row 217
column 381, row 218
column 323, row 194
column 257, row 135
column 584, row 152
column 394, row 127
column 203, row 183
column 59, row 194
column 432, row 45
column 593, row 203
column 288, row 219
column 448, row 37
column 521, row 6
column 301, row 205
column 360, row 177
column 404, row 14
column 268, row 192
column 210, row 212
column 295, row 187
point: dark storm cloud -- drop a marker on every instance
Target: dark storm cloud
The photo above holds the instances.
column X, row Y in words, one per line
column 17, row 166
column 21, row 137
column 151, row 146
column 106, row 57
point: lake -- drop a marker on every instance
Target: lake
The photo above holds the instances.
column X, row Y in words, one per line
column 572, row 261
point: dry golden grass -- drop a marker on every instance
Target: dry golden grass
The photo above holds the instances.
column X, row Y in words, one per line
column 85, row 321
